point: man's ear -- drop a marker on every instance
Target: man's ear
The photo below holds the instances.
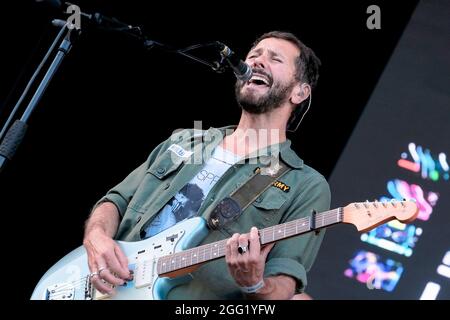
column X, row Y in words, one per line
column 301, row 92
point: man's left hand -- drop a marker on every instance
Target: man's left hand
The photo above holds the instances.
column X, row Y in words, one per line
column 245, row 258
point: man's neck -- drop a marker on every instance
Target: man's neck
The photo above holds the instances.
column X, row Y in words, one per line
column 255, row 132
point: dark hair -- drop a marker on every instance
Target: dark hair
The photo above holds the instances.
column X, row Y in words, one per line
column 307, row 64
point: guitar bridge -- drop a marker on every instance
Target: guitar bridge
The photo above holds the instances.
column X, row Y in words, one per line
column 60, row 291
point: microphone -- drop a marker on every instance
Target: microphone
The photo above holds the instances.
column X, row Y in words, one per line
column 241, row 70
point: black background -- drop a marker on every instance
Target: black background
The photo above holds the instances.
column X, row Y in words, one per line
column 111, row 101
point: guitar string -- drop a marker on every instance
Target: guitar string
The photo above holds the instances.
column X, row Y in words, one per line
column 68, row 285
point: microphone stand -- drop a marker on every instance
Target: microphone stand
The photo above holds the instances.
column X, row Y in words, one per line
column 16, row 132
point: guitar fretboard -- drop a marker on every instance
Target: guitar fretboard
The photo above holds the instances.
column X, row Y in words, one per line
column 217, row 249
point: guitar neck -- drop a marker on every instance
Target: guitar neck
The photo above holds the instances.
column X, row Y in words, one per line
column 216, row 250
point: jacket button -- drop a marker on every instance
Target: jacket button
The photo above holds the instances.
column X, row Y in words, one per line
column 166, row 186
column 258, row 199
column 160, row 170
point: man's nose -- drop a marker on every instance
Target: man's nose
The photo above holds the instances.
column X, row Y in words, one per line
column 259, row 62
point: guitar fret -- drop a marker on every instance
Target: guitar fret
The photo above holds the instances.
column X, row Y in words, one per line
column 177, row 260
column 202, row 255
column 194, row 255
column 166, row 264
column 183, row 259
column 176, row 265
column 216, row 251
column 207, row 252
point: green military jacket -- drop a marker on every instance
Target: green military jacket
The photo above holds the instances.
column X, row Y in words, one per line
column 173, row 163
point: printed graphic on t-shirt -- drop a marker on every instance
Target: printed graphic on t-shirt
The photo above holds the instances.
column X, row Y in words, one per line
column 186, row 203
column 183, row 205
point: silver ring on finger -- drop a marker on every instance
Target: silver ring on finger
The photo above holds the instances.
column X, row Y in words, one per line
column 99, row 271
column 242, row 249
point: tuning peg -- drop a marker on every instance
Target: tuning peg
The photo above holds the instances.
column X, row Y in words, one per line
column 366, row 204
column 356, row 205
column 384, row 203
column 375, row 203
column 394, row 203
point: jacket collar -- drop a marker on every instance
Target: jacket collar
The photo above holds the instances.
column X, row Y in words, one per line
column 216, row 135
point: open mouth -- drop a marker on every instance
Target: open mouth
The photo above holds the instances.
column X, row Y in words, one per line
column 259, row 80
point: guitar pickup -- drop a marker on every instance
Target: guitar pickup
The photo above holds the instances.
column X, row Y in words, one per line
column 143, row 274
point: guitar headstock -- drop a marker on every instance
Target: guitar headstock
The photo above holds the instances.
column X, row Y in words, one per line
column 368, row 215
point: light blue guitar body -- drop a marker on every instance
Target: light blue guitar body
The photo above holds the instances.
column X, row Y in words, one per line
column 68, row 279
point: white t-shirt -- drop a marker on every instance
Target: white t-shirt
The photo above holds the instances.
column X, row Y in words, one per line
column 187, row 201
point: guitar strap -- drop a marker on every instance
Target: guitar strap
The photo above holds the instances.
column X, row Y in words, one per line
column 231, row 207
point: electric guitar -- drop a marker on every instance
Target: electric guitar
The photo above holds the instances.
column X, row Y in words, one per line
column 160, row 262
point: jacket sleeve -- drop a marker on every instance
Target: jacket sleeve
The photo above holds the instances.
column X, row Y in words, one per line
column 122, row 193
column 295, row 256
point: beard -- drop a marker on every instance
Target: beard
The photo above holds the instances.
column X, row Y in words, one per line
column 249, row 101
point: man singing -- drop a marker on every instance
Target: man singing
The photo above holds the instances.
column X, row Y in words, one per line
column 168, row 188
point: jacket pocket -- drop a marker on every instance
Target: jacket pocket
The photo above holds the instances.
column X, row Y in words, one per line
column 156, row 182
column 265, row 211
column 165, row 164
column 270, row 200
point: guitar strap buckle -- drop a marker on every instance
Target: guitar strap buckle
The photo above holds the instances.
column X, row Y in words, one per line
column 226, row 211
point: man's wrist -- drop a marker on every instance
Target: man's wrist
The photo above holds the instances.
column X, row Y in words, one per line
column 254, row 288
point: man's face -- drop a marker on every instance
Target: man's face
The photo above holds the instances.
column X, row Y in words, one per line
column 273, row 65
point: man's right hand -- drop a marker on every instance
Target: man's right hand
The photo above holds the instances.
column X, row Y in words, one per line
column 107, row 262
